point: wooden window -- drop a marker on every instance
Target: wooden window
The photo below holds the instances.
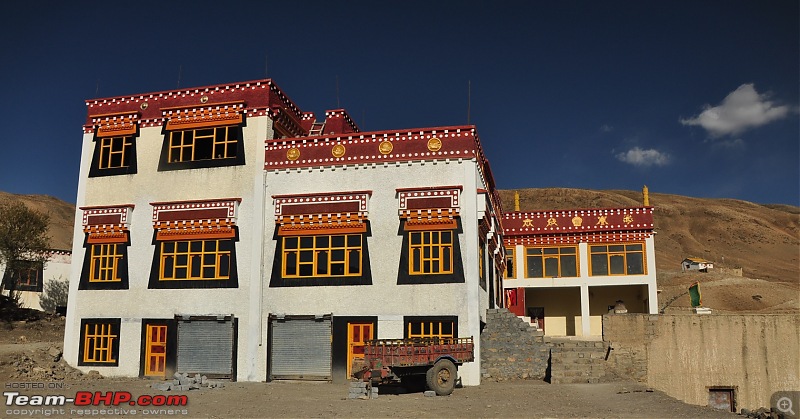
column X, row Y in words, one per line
column 28, row 277
column 481, row 256
column 511, row 272
column 99, row 342
column 105, row 263
column 191, row 145
column 115, row 152
column 430, row 252
column 421, row 329
column 322, row 256
column 195, row 260
column 551, row 262
column 617, row 259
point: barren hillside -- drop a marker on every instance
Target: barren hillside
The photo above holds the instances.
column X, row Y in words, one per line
column 62, row 216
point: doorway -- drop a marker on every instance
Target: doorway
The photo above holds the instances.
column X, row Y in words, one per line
column 357, row 334
column 155, row 361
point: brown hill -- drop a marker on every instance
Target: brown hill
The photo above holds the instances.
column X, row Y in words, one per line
column 62, row 216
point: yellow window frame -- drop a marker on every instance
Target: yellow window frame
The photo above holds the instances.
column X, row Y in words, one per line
column 194, row 259
column 429, row 329
column 557, row 256
column 511, row 259
column 114, row 146
column 624, row 253
column 220, row 139
column 104, row 264
column 322, row 255
column 98, row 343
column 432, row 249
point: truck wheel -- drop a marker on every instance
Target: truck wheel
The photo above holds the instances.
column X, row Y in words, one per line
column 441, row 377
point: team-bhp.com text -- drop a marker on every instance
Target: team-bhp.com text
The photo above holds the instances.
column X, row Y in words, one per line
column 88, row 398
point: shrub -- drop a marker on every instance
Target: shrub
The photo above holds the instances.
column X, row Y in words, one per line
column 55, row 295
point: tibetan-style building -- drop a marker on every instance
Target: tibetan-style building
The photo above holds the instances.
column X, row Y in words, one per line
column 567, row 268
column 226, row 232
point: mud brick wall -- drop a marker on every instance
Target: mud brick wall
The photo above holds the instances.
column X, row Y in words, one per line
column 627, row 336
column 685, row 355
column 511, row 348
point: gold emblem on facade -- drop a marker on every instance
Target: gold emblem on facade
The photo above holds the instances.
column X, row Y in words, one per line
column 434, row 144
column 204, row 99
column 577, row 221
column 143, row 105
column 551, row 222
column 385, row 147
column 628, row 219
column 293, row 154
column 601, row 221
column 527, row 222
column 338, row 151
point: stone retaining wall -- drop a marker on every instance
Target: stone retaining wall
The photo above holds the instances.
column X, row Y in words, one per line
column 511, row 348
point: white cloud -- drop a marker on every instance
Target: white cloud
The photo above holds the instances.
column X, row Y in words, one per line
column 644, row 158
column 606, row 128
column 742, row 109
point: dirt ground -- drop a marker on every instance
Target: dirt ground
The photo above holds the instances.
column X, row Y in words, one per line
column 34, row 342
column 309, row 399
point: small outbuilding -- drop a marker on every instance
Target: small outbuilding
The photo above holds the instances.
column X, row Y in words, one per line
column 696, row 264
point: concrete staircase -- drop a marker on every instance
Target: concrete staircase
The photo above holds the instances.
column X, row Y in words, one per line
column 511, row 348
column 577, row 361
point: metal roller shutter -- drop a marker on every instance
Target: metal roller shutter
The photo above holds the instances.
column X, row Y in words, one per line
column 301, row 349
column 206, row 347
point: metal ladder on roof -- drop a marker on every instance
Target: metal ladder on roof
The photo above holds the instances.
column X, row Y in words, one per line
column 316, row 128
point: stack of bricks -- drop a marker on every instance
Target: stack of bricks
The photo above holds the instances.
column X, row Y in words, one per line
column 511, row 348
column 577, row 361
column 362, row 390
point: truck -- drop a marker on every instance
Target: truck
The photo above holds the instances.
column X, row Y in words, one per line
column 395, row 360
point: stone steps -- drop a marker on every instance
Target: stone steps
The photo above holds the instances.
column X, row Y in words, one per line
column 577, row 361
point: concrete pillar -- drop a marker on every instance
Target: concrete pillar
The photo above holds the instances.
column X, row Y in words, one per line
column 585, row 325
column 652, row 298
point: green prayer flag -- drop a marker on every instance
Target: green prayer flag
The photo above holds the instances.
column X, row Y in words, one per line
column 694, row 295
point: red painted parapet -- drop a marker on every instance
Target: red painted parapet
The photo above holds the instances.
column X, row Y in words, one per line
column 338, row 121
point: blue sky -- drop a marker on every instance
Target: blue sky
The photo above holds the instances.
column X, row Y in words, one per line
column 697, row 98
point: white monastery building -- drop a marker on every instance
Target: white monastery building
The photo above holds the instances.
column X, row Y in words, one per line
column 221, row 230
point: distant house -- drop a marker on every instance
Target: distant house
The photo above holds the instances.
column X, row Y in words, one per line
column 32, row 276
column 696, row 264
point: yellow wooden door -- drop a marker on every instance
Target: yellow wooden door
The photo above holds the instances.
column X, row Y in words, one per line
column 156, row 351
column 357, row 334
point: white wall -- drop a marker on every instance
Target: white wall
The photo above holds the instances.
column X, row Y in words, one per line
column 140, row 189
column 384, row 298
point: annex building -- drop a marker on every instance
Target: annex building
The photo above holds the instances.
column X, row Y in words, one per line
column 222, row 230
column 567, row 268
